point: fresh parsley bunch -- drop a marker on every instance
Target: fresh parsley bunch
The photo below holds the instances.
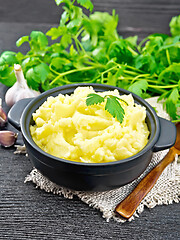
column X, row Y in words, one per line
column 88, row 48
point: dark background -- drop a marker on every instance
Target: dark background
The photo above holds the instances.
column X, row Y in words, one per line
column 30, row 213
column 136, row 17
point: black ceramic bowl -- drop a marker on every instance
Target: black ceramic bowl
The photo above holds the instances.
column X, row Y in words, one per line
column 91, row 176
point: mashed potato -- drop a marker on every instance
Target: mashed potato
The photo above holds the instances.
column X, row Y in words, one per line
column 65, row 127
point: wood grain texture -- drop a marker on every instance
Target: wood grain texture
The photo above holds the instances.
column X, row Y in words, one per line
column 135, row 17
column 30, row 213
column 128, row 206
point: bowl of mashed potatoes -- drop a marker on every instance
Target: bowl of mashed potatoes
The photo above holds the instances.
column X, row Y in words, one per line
column 84, row 147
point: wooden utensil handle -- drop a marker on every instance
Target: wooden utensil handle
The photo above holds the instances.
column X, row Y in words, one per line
column 129, row 205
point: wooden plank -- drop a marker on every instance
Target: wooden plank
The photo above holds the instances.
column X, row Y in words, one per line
column 137, row 15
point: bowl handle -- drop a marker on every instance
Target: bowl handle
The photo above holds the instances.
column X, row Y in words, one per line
column 167, row 135
column 14, row 114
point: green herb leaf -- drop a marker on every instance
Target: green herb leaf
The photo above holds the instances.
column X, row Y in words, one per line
column 121, row 50
column 38, row 41
column 112, row 104
column 37, row 75
column 114, row 108
column 64, row 18
column 120, row 99
column 41, row 71
column 171, row 102
column 175, row 26
column 7, row 76
column 66, row 40
column 111, row 79
column 74, row 23
column 146, row 62
column 30, row 62
column 58, row 2
column 8, row 57
column 20, row 57
column 54, row 33
column 21, row 40
column 153, row 45
column 139, row 87
column 132, row 40
column 172, row 72
column 86, row 3
column 94, row 98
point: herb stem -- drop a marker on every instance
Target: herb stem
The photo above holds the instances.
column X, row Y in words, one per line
column 108, row 70
column 97, row 65
column 168, row 57
column 133, row 68
column 52, row 70
column 164, row 87
column 71, row 71
column 79, row 32
column 101, row 75
column 134, row 53
column 141, row 43
column 77, row 44
column 139, row 76
column 176, row 121
column 157, row 90
column 130, row 73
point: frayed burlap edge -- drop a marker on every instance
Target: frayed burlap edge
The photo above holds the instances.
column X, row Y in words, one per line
column 166, row 191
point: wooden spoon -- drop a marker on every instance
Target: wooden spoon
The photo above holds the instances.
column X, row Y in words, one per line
column 128, row 206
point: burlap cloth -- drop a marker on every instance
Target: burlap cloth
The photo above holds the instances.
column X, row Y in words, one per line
column 166, row 190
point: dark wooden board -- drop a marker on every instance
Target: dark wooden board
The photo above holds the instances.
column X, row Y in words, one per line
column 135, row 17
column 140, row 14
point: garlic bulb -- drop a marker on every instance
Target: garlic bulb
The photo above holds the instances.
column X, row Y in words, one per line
column 20, row 89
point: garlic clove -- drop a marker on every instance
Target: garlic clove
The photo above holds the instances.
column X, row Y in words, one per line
column 7, row 138
column 3, row 116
